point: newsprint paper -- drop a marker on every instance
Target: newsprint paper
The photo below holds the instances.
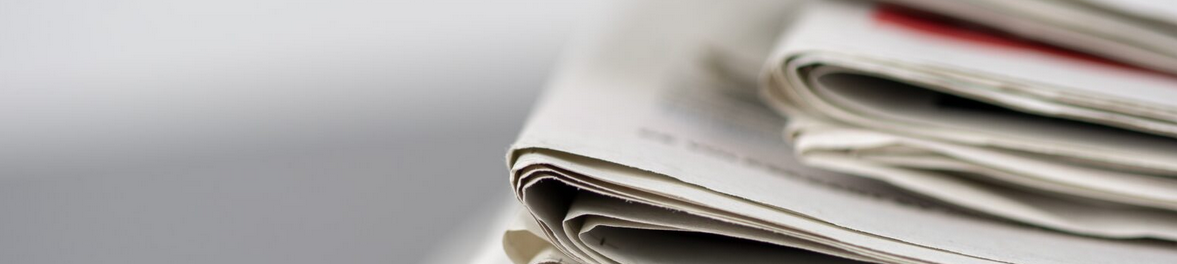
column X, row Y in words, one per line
column 651, row 145
column 997, row 124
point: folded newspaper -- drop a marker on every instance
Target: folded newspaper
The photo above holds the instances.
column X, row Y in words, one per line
column 897, row 132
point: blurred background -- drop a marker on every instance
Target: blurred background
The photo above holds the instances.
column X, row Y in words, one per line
column 262, row 131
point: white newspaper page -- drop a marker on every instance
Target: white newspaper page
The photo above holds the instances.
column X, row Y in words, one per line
column 898, row 34
column 659, row 108
column 867, row 98
column 1133, row 31
column 912, row 74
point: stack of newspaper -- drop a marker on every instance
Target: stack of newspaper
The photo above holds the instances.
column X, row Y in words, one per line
column 850, row 131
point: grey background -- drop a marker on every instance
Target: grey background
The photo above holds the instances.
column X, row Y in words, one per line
column 260, row 131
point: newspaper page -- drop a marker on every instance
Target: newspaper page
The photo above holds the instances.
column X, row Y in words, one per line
column 904, row 96
column 1160, row 13
column 652, row 134
column 1130, row 31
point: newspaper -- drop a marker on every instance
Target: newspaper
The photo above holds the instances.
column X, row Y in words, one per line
column 651, row 145
column 945, row 109
column 1140, row 32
